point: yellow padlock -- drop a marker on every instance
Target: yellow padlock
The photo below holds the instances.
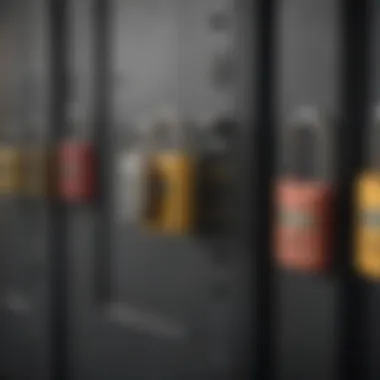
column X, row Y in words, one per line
column 10, row 170
column 38, row 171
column 170, row 207
column 367, row 208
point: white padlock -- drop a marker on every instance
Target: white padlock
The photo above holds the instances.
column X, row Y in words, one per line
column 131, row 175
column 131, row 186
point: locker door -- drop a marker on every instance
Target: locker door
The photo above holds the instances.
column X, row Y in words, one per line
column 24, row 302
column 146, row 306
column 308, row 60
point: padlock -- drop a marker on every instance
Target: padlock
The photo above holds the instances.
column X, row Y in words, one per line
column 76, row 176
column 171, row 191
column 38, row 172
column 367, row 210
column 304, row 202
column 215, row 178
column 76, row 161
column 10, row 170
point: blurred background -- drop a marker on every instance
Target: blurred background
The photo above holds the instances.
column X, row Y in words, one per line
column 189, row 190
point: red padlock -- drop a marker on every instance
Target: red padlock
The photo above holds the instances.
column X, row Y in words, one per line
column 304, row 204
column 76, row 161
column 76, row 171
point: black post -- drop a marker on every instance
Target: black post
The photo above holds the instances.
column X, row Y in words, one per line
column 352, row 317
column 57, row 244
column 264, row 145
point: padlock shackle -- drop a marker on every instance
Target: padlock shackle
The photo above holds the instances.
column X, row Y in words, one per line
column 373, row 138
column 144, row 132
column 166, row 123
column 310, row 119
column 77, row 125
column 8, row 119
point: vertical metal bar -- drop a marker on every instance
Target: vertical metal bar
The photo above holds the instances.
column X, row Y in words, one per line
column 57, row 245
column 102, row 139
column 371, row 324
column 352, row 318
column 264, row 143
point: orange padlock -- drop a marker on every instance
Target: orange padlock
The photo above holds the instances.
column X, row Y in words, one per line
column 304, row 199
column 171, row 171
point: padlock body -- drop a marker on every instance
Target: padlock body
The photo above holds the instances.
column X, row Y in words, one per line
column 76, row 171
column 173, row 195
column 10, row 170
column 303, row 229
column 367, row 234
column 38, row 172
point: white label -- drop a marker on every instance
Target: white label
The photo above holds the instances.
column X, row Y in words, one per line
column 147, row 322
